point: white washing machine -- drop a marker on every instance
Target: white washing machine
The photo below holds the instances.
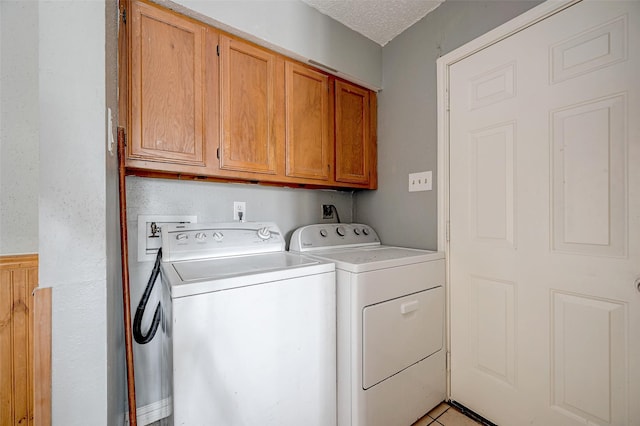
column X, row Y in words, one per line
column 390, row 307
column 250, row 328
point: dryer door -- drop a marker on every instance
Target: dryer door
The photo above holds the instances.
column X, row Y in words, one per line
column 400, row 332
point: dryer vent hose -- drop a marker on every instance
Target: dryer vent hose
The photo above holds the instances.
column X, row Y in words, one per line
column 137, row 320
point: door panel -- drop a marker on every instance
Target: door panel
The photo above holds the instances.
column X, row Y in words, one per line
column 352, row 128
column 589, row 171
column 588, row 344
column 544, row 201
column 167, row 66
column 248, row 107
column 307, row 122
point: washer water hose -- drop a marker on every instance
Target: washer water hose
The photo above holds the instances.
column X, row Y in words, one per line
column 137, row 320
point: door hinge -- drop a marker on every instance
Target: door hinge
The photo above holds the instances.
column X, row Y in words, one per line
column 218, row 50
column 447, row 101
column 218, row 153
column 124, row 16
column 447, row 231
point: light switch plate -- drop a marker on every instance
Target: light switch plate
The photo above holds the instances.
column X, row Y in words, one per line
column 421, row 181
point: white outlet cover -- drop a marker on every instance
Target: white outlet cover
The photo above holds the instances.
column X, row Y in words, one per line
column 148, row 247
column 240, row 206
column 421, row 181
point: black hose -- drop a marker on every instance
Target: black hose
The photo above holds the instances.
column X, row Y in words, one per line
column 137, row 320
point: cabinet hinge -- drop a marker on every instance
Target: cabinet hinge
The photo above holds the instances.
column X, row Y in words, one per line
column 218, row 50
column 218, row 153
column 124, row 16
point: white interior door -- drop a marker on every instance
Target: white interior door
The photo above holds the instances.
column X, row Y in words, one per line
column 544, row 190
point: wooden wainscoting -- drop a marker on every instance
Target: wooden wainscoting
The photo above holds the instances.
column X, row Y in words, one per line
column 19, row 381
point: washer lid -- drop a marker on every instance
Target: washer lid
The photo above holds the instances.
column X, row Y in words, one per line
column 364, row 259
column 190, row 277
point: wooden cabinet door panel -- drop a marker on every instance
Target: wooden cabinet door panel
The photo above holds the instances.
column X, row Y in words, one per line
column 248, row 103
column 307, row 123
column 352, row 130
column 166, row 87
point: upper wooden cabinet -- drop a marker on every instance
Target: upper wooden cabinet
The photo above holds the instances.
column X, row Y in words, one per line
column 197, row 102
column 353, row 133
column 308, row 144
column 167, row 98
column 249, row 107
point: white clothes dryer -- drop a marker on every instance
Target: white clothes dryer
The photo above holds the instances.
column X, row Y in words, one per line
column 250, row 328
column 390, row 320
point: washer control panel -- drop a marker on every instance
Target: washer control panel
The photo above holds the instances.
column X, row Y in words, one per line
column 201, row 240
column 331, row 235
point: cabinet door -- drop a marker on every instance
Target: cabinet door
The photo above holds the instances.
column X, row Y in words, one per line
column 307, row 123
column 353, row 138
column 166, row 92
column 248, row 107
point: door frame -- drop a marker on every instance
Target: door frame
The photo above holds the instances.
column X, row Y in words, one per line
column 443, row 64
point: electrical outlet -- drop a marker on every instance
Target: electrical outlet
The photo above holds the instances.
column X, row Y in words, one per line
column 149, row 233
column 327, row 211
column 422, row 181
column 240, row 211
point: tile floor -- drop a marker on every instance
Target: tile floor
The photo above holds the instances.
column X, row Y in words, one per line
column 445, row 415
column 442, row 415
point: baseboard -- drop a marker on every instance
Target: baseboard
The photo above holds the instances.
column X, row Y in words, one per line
column 153, row 412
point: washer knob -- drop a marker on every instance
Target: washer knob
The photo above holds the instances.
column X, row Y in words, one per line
column 218, row 236
column 264, row 233
column 182, row 237
column 340, row 230
column 356, row 231
column 323, row 233
column 365, row 231
column 201, row 236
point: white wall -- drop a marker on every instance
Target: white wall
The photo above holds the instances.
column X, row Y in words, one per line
column 72, row 204
column 407, row 113
column 18, row 127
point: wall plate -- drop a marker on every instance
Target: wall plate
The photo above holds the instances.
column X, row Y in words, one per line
column 421, row 181
column 149, row 243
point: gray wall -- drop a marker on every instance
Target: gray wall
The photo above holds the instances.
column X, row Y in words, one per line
column 407, row 114
column 18, row 127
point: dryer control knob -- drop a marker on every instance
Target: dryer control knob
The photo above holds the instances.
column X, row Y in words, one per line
column 323, row 233
column 182, row 237
column 340, row 230
column 218, row 236
column 356, row 231
column 365, row 231
column 201, row 236
column 264, row 233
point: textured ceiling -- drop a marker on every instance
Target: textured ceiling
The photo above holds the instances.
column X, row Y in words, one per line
column 378, row 20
